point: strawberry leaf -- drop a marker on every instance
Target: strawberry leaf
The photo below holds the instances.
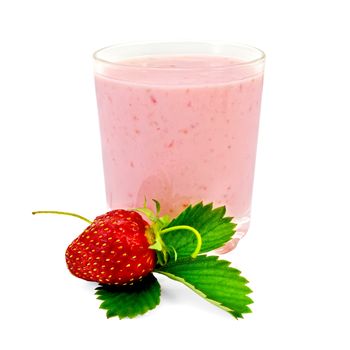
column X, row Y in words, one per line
column 130, row 300
column 214, row 280
column 214, row 227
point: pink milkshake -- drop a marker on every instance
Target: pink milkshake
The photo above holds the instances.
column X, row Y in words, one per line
column 179, row 123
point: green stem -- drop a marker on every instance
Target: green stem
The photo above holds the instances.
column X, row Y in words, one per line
column 61, row 213
column 188, row 228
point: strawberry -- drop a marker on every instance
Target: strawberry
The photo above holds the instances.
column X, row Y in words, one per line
column 119, row 247
column 113, row 250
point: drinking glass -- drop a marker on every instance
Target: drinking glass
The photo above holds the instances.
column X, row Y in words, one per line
column 179, row 123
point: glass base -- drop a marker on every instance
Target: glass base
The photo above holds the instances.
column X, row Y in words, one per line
column 241, row 230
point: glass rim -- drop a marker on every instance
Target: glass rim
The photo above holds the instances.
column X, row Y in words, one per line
column 260, row 54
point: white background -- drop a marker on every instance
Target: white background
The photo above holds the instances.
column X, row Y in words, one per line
column 296, row 254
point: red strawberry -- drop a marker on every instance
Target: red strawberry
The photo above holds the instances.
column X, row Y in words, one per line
column 113, row 250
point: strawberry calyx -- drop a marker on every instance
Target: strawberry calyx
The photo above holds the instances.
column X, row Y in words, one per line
column 159, row 227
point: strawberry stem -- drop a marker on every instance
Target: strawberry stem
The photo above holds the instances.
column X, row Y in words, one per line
column 188, row 228
column 61, row 213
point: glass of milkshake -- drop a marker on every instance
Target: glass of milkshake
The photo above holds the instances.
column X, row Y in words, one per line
column 179, row 123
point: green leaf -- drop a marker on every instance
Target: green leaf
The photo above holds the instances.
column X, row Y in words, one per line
column 214, row 227
column 131, row 300
column 157, row 206
column 148, row 212
column 214, row 280
column 156, row 246
column 164, row 220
